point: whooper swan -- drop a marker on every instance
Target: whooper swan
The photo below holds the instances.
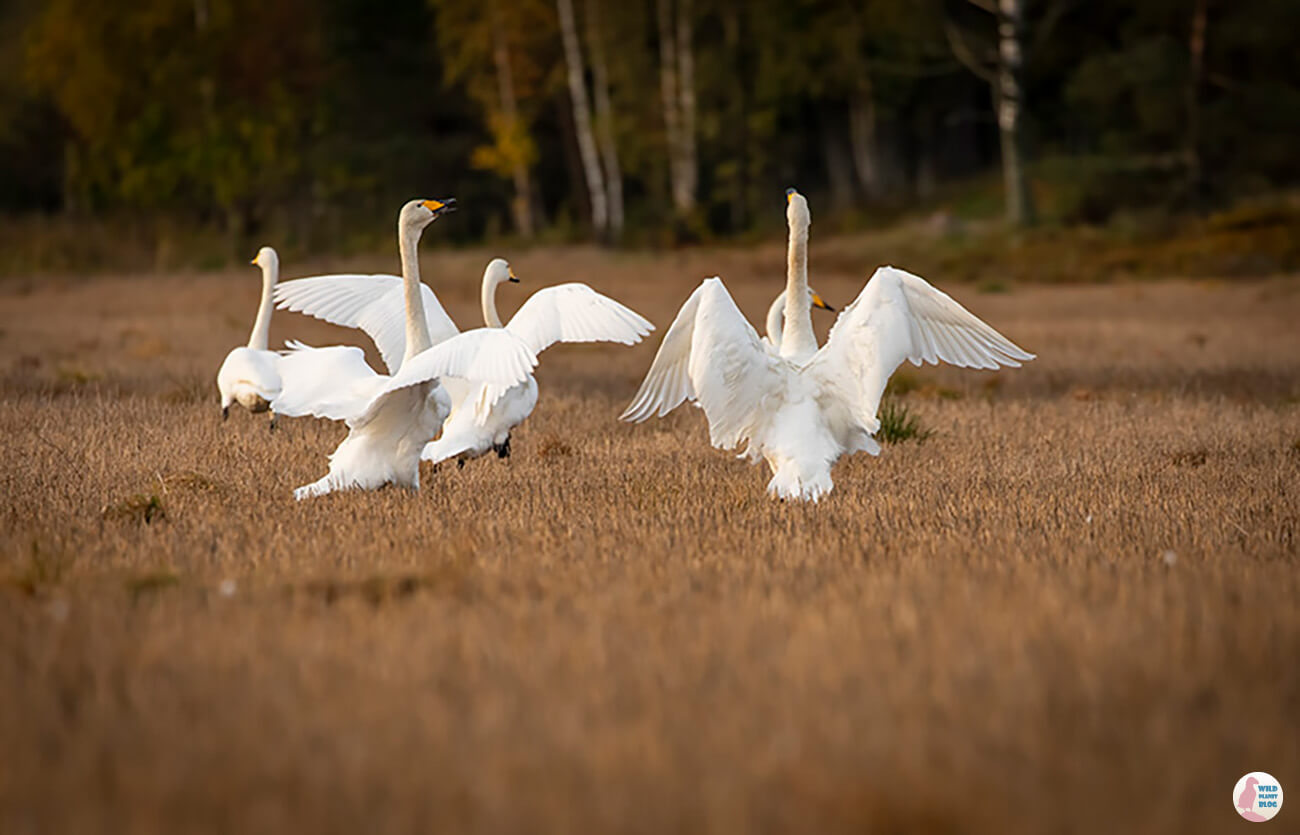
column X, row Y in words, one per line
column 250, row 376
column 802, row 408
column 391, row 418
column 483, row 414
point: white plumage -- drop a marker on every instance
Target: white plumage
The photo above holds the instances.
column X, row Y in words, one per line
column 390, row 418
column 373, row 303
column 483, row 412
column 800, row 409
column 250, row 375
column 776, row 318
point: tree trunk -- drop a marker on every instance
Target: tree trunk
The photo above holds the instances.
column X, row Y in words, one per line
column 605, row 121
column 582, row 117
column 863, row 140
column 1010, row 105
column 521, row 207
column 676, row 77
column 1196, row 50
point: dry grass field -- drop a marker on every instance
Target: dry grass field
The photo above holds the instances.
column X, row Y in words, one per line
column 1073, row 608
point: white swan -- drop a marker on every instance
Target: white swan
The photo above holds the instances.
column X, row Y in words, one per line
column 391, row 418
column 250, row 376
column 482, row 414
column 803, row 408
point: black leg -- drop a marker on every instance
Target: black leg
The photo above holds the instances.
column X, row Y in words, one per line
column 460, row 463
column 503, row 448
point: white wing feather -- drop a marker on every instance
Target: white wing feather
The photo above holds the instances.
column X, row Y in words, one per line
column 575, row 313
column 486, row 355
column 733, row 375
column 333, row 383
column 899, row 316
column 712, row 355
column 668, row 381
column 373, row 303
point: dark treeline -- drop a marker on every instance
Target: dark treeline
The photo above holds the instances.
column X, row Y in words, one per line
column 638, row 122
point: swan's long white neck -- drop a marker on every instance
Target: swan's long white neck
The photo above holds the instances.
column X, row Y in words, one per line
column 797, row 337
column 776, row 319
column 417, row 326
column 260, row 337
column 489, row 298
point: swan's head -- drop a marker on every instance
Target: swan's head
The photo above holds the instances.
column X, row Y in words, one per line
column 796, row 210
column 418, row 214
column 266, row 258
column 499, row 272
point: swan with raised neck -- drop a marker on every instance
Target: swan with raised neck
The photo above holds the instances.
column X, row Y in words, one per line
column 269, row 262
column 798, row 341
column 498, row 272
column 412, row 220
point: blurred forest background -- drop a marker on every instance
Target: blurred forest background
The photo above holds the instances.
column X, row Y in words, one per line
column 164, row 133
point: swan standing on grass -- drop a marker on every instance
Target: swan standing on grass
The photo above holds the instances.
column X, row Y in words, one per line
column 801, row 408
column 482, row 417
column 483, row 413
column 250, row 376
column 391, row 418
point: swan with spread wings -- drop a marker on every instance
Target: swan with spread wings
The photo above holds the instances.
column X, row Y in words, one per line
column 391, row 417
column 800, row 407
column 483, row 412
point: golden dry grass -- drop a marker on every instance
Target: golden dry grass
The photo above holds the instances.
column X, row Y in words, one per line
column 1072, row 609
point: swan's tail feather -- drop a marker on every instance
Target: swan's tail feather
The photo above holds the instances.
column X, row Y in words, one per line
column 790, row 481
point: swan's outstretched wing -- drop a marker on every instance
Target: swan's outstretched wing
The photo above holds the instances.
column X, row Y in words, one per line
column 486, row 355
column 373, row 303
column 575, row 313
column 712, row 355
column 899, row 316
column 668, row 381
column 333, row 383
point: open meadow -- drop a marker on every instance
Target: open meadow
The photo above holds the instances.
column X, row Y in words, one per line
column 1071, row 608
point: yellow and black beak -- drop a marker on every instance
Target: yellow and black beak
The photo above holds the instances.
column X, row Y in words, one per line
column 789, row 194
column 513, row 279
column 254, row 261
column 821, row 303
column 440, row 207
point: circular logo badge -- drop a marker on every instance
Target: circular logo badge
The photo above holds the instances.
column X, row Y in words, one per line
column 1257, row 796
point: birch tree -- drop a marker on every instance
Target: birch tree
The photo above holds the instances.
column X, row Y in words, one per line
column 677, row 88
column 1006, row 76
column 582, row 118
column 1010, row 104
column 596, row 38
